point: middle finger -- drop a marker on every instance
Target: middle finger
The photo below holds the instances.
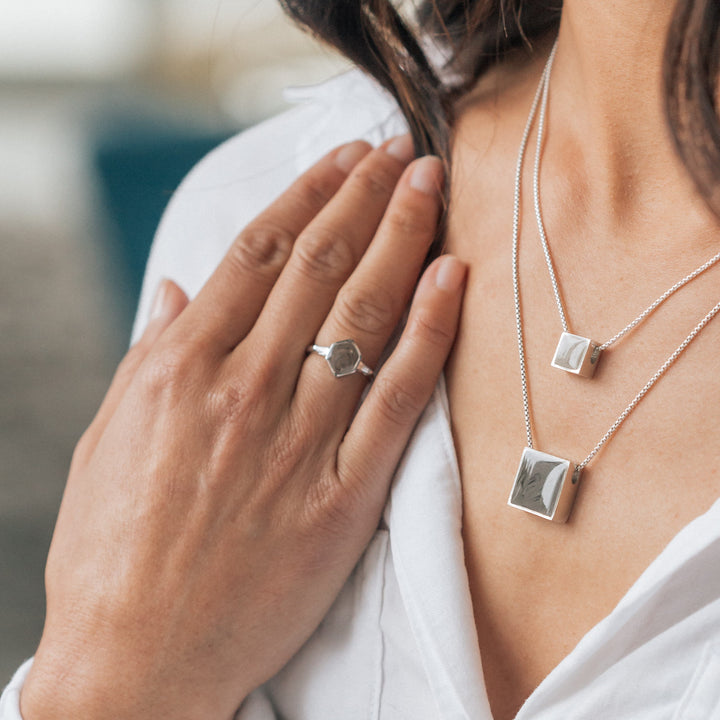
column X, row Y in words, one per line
column 371, row 303
column 324, row 256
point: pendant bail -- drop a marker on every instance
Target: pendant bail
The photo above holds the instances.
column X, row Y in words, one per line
column 545, row 485
column 577, row 355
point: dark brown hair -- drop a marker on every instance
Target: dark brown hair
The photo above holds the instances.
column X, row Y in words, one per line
column 476, row 33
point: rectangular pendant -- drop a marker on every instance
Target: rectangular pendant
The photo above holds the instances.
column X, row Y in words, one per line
column 576, row 355
column 545, row 485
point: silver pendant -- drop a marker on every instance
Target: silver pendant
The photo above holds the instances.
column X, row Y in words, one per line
column 545, row 485
column 576, row 355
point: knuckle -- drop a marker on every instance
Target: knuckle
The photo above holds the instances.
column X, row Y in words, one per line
column 326, row 254
column 166, row 372
column 289, row 459
column 330, row 506
column 298, row 438
column 284, row 456
column 233, row 402
column 315, row 190
column 429, row 330
column 397, row 402
column 239, row 400
column 261, row 249
column 409, row 221
column 377, row 181
column 365, row 310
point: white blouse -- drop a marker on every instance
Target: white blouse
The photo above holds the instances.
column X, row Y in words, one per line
column 400, row 641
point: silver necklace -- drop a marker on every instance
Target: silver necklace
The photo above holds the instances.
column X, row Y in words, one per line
column 574, row 353
column 546, row 485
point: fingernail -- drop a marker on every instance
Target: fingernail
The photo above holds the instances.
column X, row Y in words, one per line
column 451, row 274
column 401, row 148
column 427, row 175
column 158, row 303
column 350, row 156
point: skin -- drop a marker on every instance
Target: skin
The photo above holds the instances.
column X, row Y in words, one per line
column 624, row 223
column 225, row 491
column 210, row 417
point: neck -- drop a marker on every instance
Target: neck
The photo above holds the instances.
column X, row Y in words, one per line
column 616, row 46
column 611, row 134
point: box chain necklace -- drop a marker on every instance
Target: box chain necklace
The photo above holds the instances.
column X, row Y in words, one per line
column 546, row 485
column 576, row 354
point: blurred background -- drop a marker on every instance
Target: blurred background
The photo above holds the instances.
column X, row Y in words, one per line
column 104, row 106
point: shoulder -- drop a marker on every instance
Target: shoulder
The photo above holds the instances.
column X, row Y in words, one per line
column 242, row 176
column 490, row 118
column 489, row 122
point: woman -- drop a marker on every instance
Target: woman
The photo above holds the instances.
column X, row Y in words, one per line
column 226, row 541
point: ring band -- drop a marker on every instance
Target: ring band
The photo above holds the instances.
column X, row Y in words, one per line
column 343, row 358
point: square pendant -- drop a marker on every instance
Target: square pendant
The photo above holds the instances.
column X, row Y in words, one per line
column 545, row 485
column 577, row 355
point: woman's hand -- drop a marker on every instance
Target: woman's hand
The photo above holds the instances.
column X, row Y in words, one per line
column 225, row 490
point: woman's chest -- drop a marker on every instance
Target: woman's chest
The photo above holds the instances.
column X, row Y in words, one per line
column 399, row 640
column 538, row 587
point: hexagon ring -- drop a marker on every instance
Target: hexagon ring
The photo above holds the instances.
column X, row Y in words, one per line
column 343, row 358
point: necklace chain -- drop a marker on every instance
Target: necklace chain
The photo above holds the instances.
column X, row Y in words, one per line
column 545, row 85
column 515, row 264
column 541, row 93
column 660, row 372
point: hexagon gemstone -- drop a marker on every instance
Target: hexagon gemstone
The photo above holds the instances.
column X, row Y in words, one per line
column 343, row 358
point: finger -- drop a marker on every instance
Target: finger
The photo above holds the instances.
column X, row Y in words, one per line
column 371, row 303
column 325, row 255
column 229, row 303
column 377, row 436
column 169, row 302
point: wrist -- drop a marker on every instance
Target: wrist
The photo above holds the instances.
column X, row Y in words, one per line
column 67, row 682
column 65, row 686
column 50, row 693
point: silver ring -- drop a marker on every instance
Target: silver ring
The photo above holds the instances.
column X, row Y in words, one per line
column 343, row 358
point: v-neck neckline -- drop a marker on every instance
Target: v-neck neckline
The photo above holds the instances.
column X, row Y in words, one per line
column 424, row 516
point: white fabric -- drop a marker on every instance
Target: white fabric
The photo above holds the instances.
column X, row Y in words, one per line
column 399, row 642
